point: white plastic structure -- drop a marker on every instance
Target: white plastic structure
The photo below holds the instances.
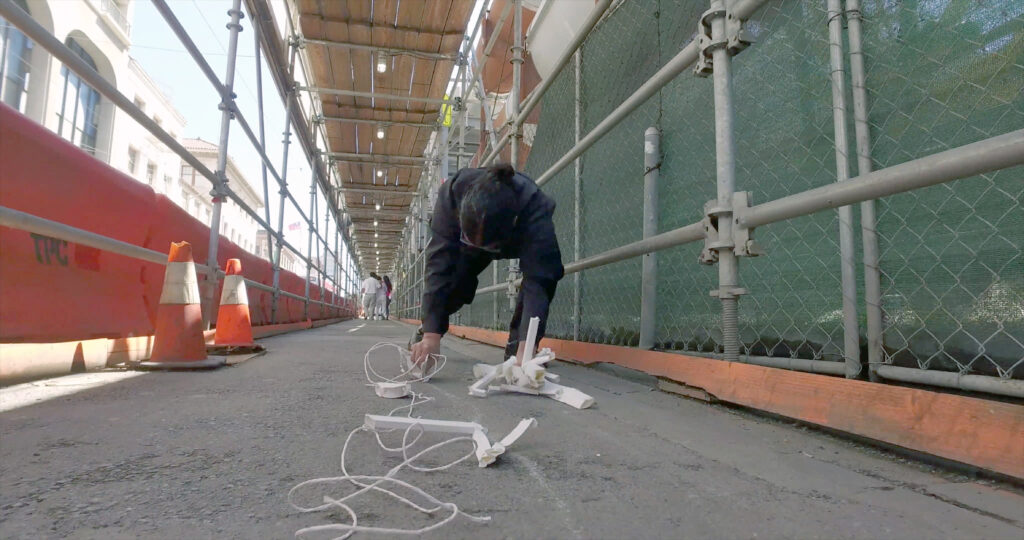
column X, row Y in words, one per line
column 392, row 390
column 531, row 377
column 531, row 339
column 486, row 451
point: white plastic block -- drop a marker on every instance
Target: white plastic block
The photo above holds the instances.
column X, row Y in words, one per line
column 379, row 422
column 514, row 435
column 486, row 453
column 569, row 396
column 531, row 339
column 424, row 370
column 487, row 374
column 517, row 389
column 391, row 390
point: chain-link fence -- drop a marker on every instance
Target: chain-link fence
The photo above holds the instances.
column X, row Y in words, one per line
column 939, row 75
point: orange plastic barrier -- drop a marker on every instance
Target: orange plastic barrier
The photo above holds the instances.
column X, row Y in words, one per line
column 52, row 290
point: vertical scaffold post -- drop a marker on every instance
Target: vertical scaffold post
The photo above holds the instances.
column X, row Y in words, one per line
column 869, row 235
column 220, row 192
column 577, row 207
column 649, row 272
column 851, row 331
column 283, row 191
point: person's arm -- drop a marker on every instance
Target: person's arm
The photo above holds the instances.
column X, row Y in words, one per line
column 541, row 263
column 442, row 257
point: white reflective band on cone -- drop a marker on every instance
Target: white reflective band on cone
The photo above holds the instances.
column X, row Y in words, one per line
column 234, row 291
column 180, row 284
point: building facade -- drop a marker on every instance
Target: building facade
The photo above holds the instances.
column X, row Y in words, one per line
column 41, row 88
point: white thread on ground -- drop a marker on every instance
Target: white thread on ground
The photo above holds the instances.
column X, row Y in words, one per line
column 429, row 504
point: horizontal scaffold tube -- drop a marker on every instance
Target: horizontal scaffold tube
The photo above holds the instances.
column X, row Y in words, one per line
column 973, row 383
column 1000, row 152
column 681, row 61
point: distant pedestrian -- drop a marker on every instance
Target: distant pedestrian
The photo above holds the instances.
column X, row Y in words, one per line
column 387, row 301
column 369, row 291
column 382, row 297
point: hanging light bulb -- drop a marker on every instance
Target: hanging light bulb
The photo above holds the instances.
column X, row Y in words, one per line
column 377, row 206
column 375, row 244
column 382, row 62
column 375, row 235
column 375, row 223
column 380, row 173
column 380, row 132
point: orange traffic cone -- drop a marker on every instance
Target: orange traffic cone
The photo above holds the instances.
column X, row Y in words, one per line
column 234, row 326
column 179, row 342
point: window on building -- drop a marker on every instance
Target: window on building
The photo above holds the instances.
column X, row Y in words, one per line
column 188, row 175
column 188, row 201
column 168, row 184
column 140, row 104
column 78, row 119
column 15, row 62
column 133, row 160
column 159, row 122
column 150, row 173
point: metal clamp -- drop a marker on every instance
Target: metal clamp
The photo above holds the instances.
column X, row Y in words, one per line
column 741, row 239
column 742, row 236
column 736, row 39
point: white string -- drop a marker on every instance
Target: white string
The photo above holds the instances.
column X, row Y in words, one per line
column 404, row 376
column 429, row 504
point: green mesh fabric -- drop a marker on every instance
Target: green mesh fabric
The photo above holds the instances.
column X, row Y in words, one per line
column 940, row 74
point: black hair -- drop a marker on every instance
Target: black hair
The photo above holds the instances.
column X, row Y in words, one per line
column 488, row 209
column 374, row 275
column 387, row 281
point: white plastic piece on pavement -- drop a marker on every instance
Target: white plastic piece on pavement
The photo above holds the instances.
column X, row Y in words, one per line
column 487, row 374
column 424, row 370
column 534, row 373
column 391, row 390
column 514, row 435
column 518, row 389
column 479, row 388
column 553, row 377
column 378, row 422
column 486, row 453
column 531, row 339
column 565, row 394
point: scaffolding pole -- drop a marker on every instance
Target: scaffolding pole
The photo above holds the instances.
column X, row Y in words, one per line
column 851, row 330
column 869, row 234
column 218, row 193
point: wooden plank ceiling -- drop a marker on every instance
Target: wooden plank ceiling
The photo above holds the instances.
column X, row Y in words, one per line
column 429, row 26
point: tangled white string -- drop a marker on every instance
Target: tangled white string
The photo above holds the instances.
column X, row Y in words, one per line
column 388, row 484
column 405, row 367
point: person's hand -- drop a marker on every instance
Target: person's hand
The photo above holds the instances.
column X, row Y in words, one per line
column 430, row 344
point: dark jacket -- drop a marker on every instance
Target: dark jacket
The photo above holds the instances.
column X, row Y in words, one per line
column 452, row 267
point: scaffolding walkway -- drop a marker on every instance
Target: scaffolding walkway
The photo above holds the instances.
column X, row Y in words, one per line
column 197, row 455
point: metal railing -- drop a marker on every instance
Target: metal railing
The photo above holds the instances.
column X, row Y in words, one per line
column 218, row 179
column 727, row 226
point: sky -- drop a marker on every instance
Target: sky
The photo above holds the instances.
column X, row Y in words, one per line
column 165, row 59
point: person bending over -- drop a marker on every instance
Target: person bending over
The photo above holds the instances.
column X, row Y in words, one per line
column 482, row 215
